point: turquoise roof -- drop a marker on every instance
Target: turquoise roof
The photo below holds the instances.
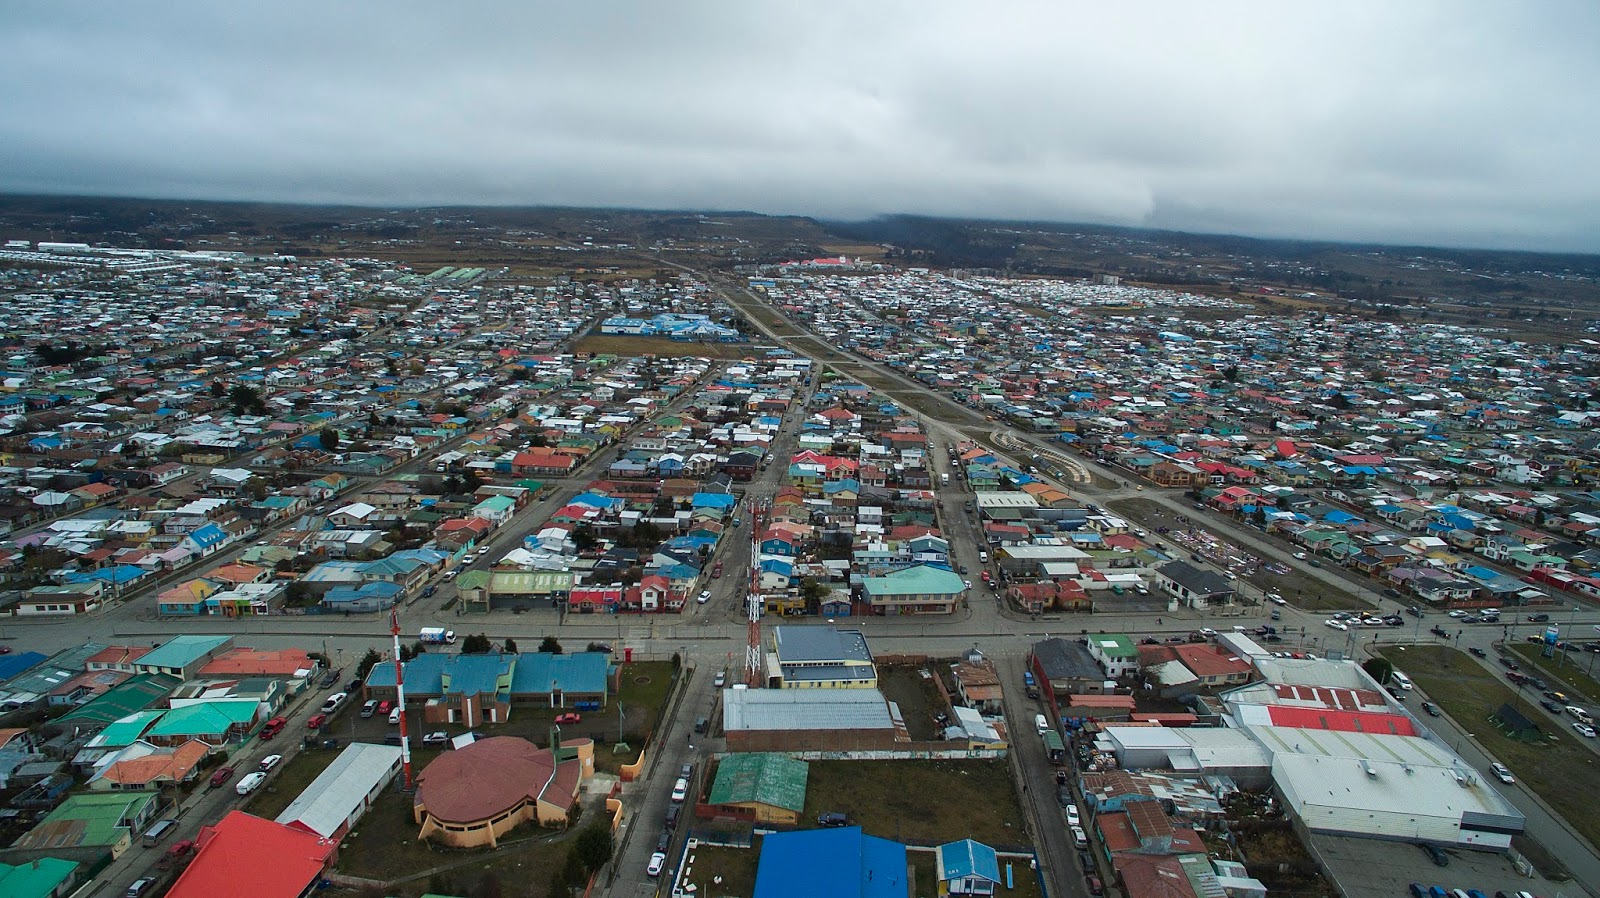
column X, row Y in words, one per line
column 182, row 651
column 917, row 580
column 206, row 717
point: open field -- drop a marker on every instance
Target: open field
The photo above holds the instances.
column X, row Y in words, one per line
column 631, row 346
column 1560, row 769
column 917, row 696
column 931, row 802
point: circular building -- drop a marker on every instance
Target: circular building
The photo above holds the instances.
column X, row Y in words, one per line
column 472, row 796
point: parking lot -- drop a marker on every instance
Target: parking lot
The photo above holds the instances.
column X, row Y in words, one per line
column 1373, row 867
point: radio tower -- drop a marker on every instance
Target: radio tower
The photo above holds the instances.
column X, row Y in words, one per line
column 400, row 697
column 753, row 603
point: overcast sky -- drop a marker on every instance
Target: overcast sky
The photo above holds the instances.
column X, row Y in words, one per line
column 1455, row 122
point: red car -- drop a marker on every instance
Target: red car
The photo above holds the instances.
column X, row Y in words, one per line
column 222, row 775
column 716, row 570
column 316, row 721
column 273, row 727
column 569, row 717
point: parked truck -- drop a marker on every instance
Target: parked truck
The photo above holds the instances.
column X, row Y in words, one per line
column 437, row 636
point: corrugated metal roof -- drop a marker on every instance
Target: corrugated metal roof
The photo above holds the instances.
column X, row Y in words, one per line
column 763, row 778
column 821, row 709
column 341, row 789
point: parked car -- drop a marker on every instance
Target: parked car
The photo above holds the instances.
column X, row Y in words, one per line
column 220, row 776
column 250, row 783
column 680, row 790
column 720, row 681
column 569, row 717
column 369, row 707
column 1503, row 772
column 140, row 887
column 704, row 597
column 833, row 819
column 716, row 570
column 316, row 721
column 333, row 702
column 657, row 861
column 269, row 762
column 437, row 737
column 1073, row 819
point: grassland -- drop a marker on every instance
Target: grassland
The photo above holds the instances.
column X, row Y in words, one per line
column 930, row 802
column 1559, row 768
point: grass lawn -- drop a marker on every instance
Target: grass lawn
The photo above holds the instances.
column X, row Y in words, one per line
column 928, row 801
column 1561, row 770
column 717, row 872
column 384, row 846
column 1574, row 674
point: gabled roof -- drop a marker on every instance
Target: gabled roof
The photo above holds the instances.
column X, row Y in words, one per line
column 761, row 778
column 248, row 857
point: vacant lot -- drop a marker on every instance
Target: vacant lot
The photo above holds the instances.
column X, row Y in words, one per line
column 1560, row 769
column 920, row 801
column 660, row 346
column 916, row 694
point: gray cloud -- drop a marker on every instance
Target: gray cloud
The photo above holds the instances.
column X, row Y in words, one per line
column 1443, row 122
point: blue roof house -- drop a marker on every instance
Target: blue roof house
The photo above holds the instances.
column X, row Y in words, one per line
column 967, row 868
column 838, row 863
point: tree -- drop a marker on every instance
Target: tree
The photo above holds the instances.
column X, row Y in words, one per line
column 477, row 644
column 1379, row 669
column 510, row 647
column 368, row 661
column 218, row 390
column 550, row 646
column 246, row 399
column 328, row 439
column 594, row 846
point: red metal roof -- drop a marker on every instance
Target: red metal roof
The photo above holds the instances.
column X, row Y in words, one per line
column 248, row 857
column 1343, row 721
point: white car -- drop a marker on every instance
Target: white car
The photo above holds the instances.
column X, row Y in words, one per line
column 250, row 783
column 1584, row 730
column 657, row 861
column 680, row 791
column 1300, row 555
column 1207, row 632
column 438, row 737
column 720, row 681
column 1501, row 771
column 269, row 762
column 1458, row 613
column 705, row 596
column 1336, row 624
column 1072, row 816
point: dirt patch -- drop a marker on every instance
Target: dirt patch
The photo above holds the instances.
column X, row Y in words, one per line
column 914, row 691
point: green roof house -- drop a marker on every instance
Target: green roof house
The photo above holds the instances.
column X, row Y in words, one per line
column 108, row 820
column 769, row 788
